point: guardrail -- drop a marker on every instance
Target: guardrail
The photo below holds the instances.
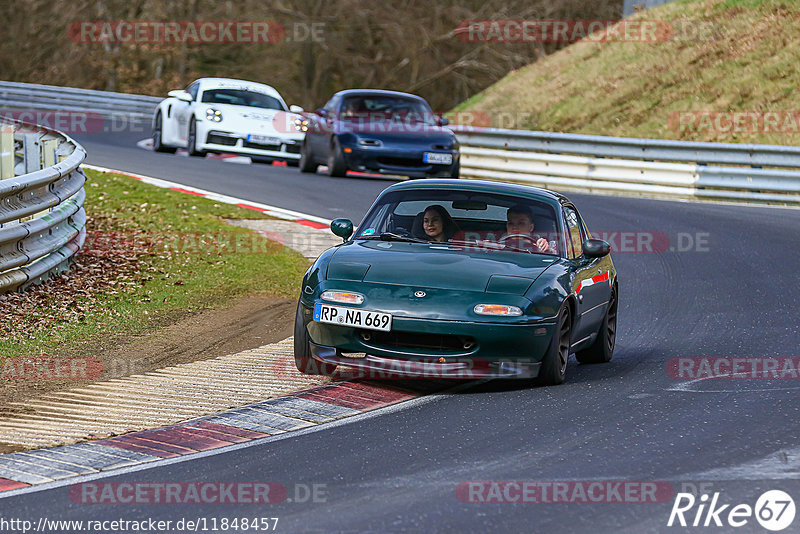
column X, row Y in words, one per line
column 27, row 96
column 42, row 220
column 587, row 163
column 568, row 162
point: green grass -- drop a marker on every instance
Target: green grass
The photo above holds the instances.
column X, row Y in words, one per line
column 724, row 55
column 139, row 288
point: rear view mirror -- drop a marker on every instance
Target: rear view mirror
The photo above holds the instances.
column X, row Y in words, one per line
column 443, row 121
column 596, row 248
column 342, row 228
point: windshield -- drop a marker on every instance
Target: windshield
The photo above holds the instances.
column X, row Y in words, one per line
column 471, row 220
column 384, row 108
column 238, row 97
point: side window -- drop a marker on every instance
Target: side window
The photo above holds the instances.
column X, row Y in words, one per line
column 575, row 235
column 192, row 90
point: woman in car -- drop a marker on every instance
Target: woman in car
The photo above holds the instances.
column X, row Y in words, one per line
column 437, row 224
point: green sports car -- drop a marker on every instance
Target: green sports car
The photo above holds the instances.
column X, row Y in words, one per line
column 459, row 279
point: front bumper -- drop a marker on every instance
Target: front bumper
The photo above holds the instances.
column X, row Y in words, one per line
column 236, row 143
column 465, row 349
column 406, row 162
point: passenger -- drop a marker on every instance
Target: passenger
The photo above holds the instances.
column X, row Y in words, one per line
column 519, row 221
column 437, row 224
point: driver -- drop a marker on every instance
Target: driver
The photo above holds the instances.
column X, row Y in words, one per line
column 519, row 222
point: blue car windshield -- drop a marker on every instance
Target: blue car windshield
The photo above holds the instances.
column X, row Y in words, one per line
column 238, row 97
column 383, row 108
column 489, row 221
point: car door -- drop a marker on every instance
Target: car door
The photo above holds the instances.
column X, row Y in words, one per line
column 590, row 278
column 184, row 111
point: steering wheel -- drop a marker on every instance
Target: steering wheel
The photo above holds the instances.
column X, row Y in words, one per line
column 523, row 236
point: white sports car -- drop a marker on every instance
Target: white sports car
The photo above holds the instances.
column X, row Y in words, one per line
column 215, row 115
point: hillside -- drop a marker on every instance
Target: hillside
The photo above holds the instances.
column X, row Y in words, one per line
column 723, row 56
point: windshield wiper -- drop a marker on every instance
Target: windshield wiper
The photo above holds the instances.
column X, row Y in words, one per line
column 389, row 236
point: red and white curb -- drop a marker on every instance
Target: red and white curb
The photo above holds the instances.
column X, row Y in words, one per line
column 300, row 410
column 273, row 211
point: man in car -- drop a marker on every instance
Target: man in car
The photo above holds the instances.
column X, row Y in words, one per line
column 519, row 222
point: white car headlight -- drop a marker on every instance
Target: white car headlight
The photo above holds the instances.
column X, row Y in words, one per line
column 214, row 115
column 301, row 124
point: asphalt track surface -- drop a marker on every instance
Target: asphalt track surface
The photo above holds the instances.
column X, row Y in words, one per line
column 398, row 470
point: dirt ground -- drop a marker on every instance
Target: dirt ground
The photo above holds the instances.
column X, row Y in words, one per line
column 248, row 323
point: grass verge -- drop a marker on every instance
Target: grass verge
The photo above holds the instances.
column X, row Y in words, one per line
column 152, row 256
column 722, row 56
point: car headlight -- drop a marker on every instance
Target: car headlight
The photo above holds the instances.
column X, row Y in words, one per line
column 342, row 297
column 497, row 309
column 369, row 142
column 301, row 124
column 214, row 115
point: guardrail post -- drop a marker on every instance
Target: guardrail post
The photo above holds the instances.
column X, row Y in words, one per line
column 32, row 154
column 6, row 151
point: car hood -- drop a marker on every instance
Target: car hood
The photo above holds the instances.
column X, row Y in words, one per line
column 241, row 119
column 437, row 266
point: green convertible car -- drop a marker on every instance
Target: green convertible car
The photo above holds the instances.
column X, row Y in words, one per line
column 459, row 279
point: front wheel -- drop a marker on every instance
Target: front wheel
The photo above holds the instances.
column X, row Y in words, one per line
column 307, row 163
column 303, row 360
column 554, row 363
column 158, row 136
column 602, row 349
column 191, row 142
column 336, row 164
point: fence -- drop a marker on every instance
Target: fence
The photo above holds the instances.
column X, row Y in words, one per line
column 618, row 165
column 29, row 96
column 42, row 220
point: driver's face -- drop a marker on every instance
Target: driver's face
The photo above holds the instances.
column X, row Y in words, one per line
column 519, row 223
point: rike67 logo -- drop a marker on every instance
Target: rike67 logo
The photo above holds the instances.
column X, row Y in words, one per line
column 774, row 510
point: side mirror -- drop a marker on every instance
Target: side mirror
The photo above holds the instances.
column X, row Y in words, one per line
column 322, row 112
column 180, row 95
column 443, row 121
column 596, row 248
column 295, row 109
column 342, row 228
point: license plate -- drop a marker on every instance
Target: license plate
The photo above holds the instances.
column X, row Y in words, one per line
column 263, row 139
column 435, row 157
column 371, row 320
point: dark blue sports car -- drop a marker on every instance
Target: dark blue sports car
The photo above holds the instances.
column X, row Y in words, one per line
column 378, row 131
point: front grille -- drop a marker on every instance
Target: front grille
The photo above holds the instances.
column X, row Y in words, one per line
column 217, row 139
column 259, row 146
column 413, row 340
column 293, row 149
column 400, row 162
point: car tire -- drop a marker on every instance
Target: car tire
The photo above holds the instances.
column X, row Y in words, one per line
column 305, row 363
column 191, row 141
column 554, row 364
column 602, row 349
column 456, row 171
column 158, row 132
column 336, row 164
column 307, row 163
